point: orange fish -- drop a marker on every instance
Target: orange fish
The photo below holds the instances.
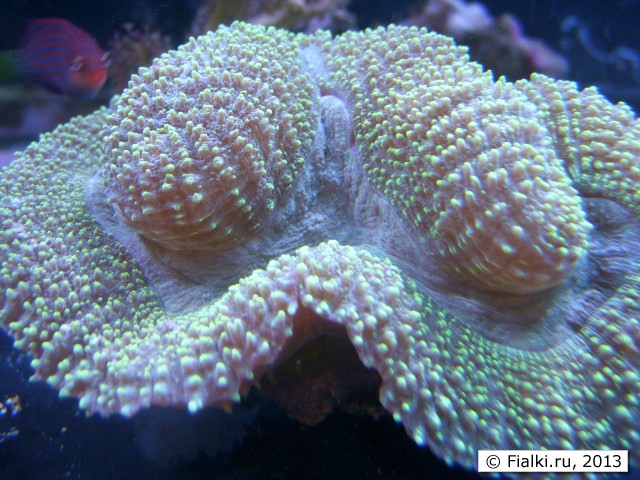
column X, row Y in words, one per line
column 59, row 56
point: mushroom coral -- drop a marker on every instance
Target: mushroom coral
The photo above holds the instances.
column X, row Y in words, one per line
column 475, row 240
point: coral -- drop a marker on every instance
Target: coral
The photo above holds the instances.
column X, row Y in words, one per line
column 464, row 180
column 497, row 43
column 475, row 241
column 132, row 48
column 212, row 175
column 296, row 15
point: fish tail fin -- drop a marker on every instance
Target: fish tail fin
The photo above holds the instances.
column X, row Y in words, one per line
column 10, row 67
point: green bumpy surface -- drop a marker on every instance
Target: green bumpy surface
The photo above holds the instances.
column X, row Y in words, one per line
column 487, row 264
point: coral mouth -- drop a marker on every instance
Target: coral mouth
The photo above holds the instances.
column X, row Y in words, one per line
column 320, row 376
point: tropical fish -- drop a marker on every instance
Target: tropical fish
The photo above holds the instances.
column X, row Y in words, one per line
column 59, row 56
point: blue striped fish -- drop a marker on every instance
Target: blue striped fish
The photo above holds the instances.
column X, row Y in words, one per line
column 59, row 56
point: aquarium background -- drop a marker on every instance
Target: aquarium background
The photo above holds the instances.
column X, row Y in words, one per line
column 44, row 437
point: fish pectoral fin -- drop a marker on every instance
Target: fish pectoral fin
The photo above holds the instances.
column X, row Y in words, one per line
column 77, row 64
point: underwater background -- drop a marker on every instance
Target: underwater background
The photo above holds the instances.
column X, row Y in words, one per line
column 43, row 437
